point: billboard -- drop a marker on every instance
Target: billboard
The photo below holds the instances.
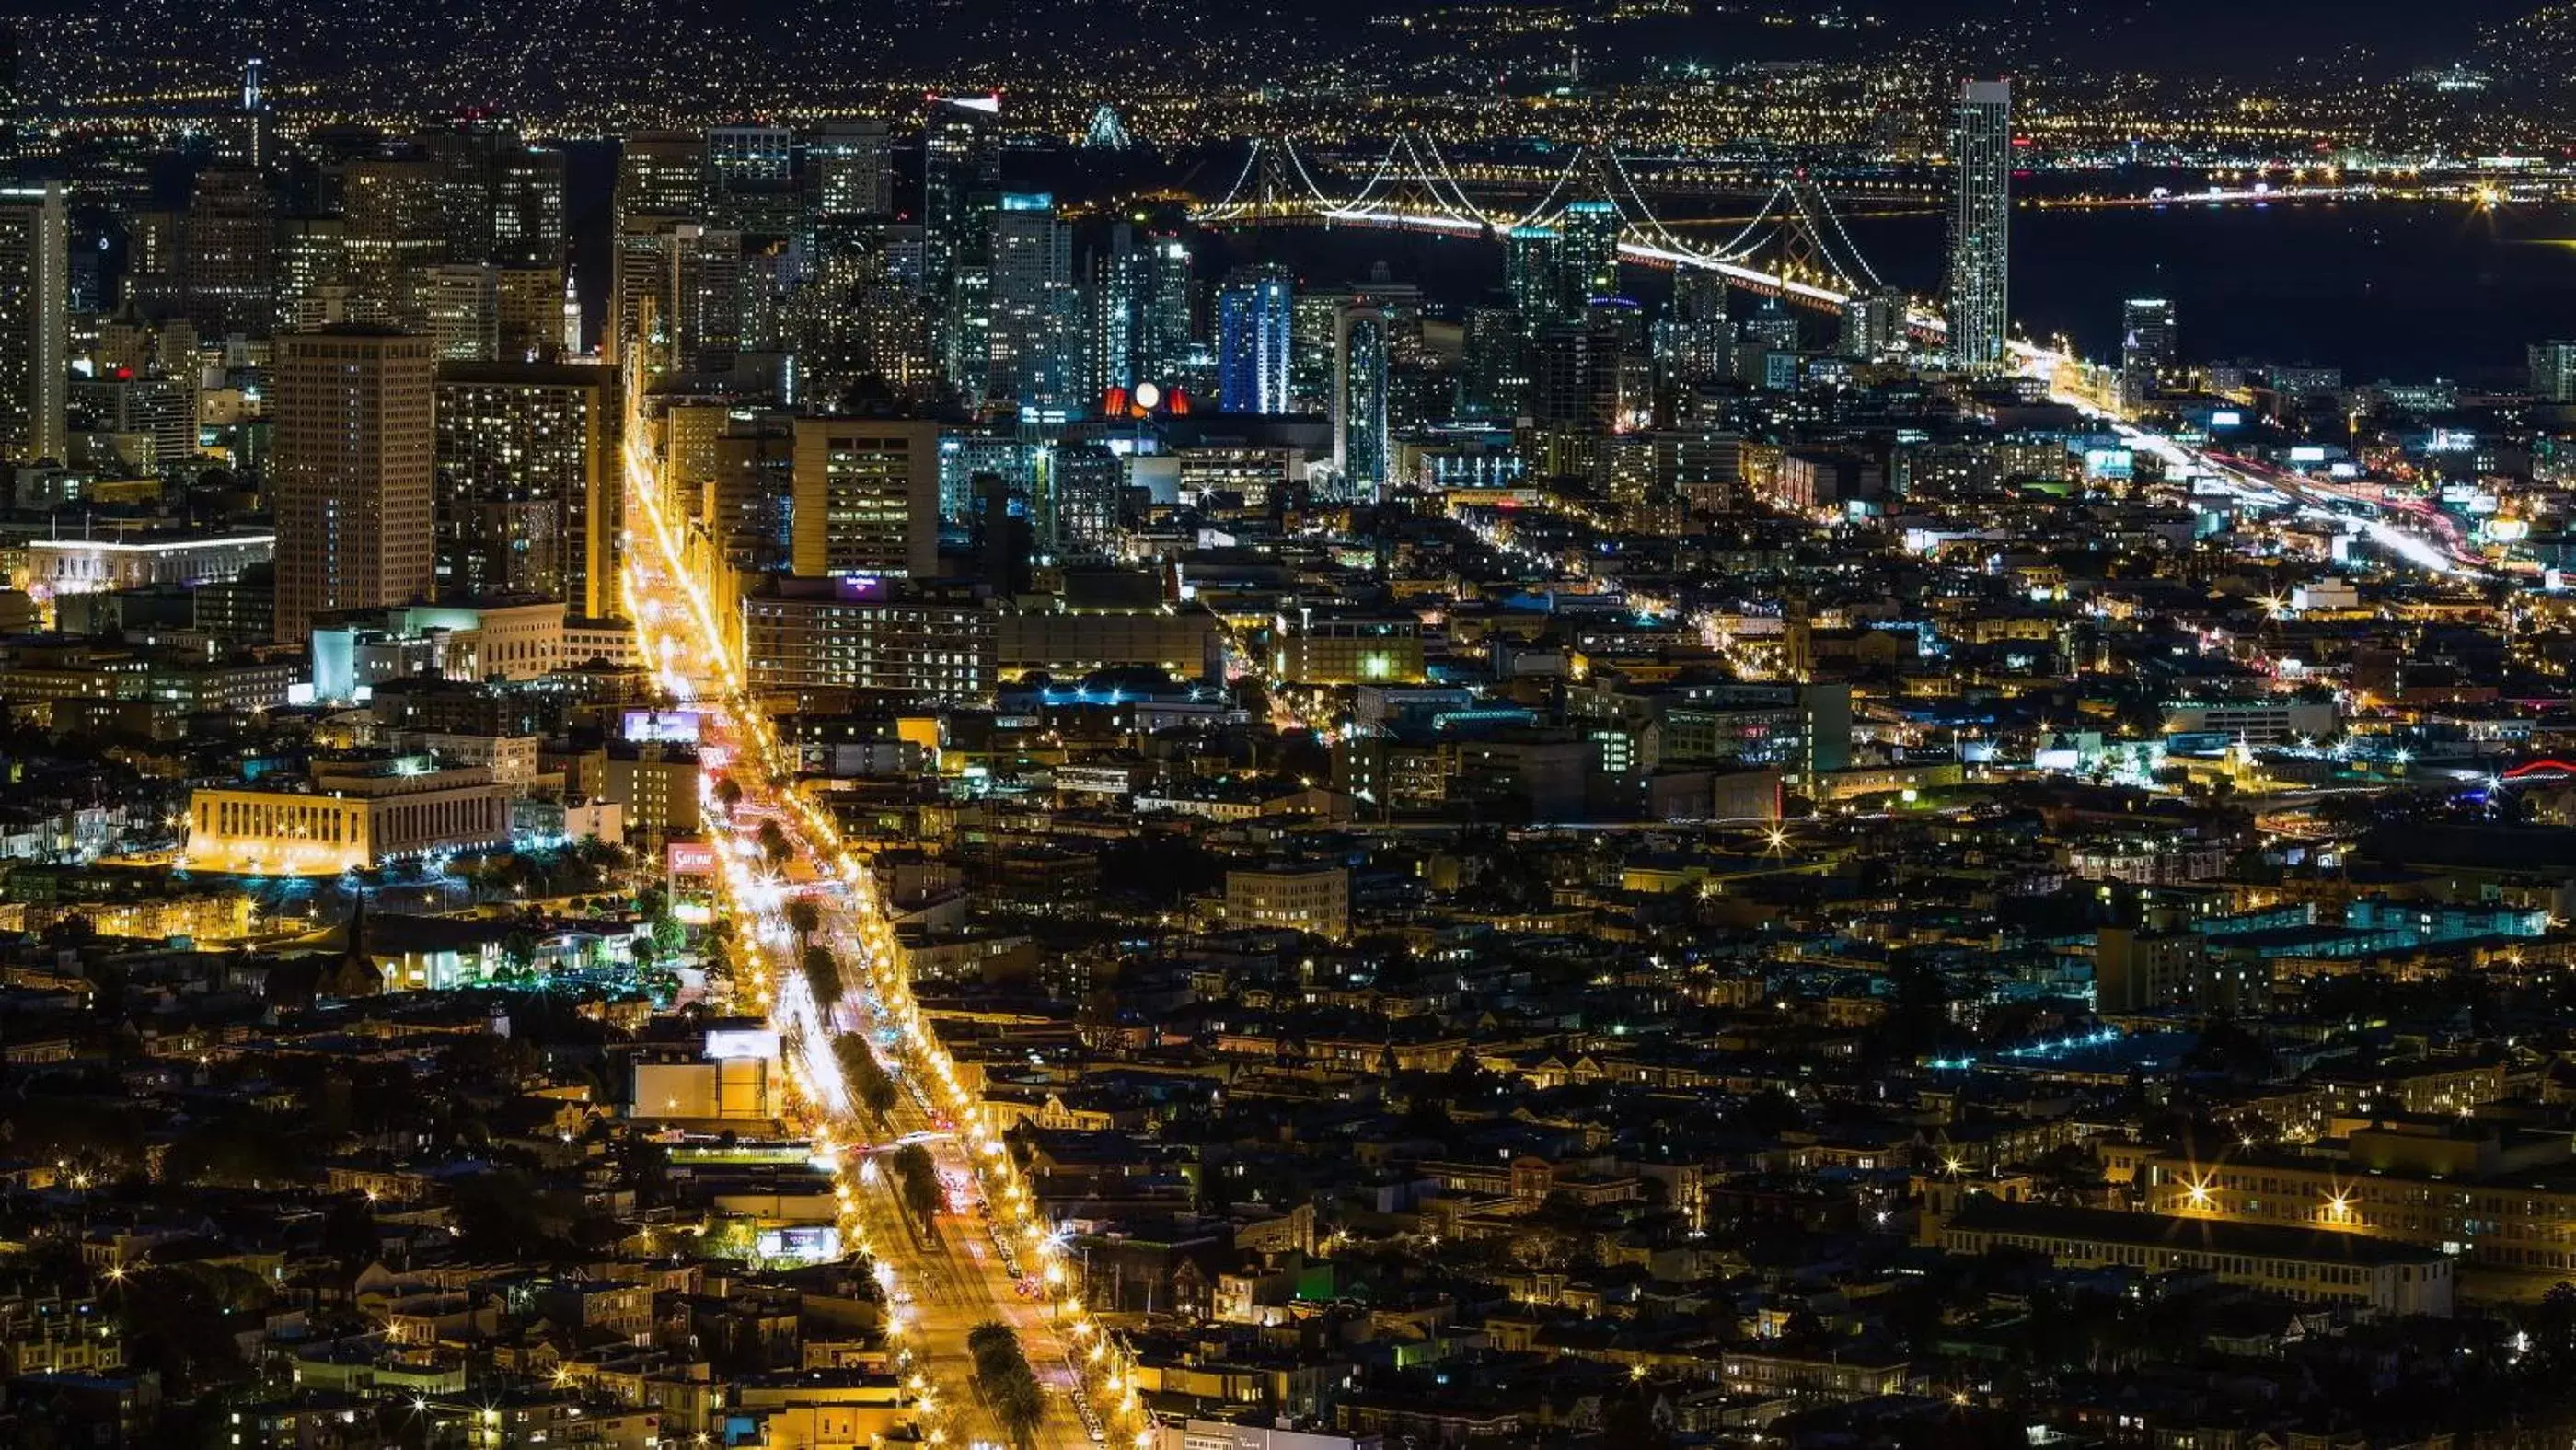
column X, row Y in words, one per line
column 728, row 1044
column 661, row 727
column 692, row 858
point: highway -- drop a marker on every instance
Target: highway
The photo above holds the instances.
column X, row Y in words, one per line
column 2415, row 532
column 987, row 1258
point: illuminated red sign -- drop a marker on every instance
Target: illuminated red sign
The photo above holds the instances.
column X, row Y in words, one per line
column 692, row 858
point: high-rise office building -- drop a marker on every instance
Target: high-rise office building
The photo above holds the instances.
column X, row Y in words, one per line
column 864, row 316
column 961, row 193
column 1493, row 373
column 394, row 213
column 1530, row 276
column 1085, row 481
column 227, row 252
column 1314, row 330
column 352, row 480
column 1981, row 226
column 1036, row 327
column 661, row 173
column 2553, row 371
column 849, row 169
column 707, row 296
column 753, row 156
column 1588, row 251
column 2147, row 346
column 1163, row 329
column 527, row 495
column 1877, row 324
column 1114, row 306
column 158, row 413
column 961, row 182
column 529, row 313
column 458, row 305
column 1695, row 340
column 640, row 304
column 866, row 498
column 1362, row 343
column 750, row 182
column 13, row 98
column 34, row 299
column 257, row 144
column 1586, row 384
column 1255, row 322
column 661, row 185
column 527, row 191
column 750, row 490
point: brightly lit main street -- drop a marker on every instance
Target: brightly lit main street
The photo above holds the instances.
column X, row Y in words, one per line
column 985, row 1257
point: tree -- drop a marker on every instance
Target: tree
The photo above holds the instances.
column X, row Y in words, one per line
column 773, row 843
column 519, row 951
column 729, row 792
column 917, row 1179
column 805, row 916
column 1002, row 1376
column 822, row 976
column 870, row 1086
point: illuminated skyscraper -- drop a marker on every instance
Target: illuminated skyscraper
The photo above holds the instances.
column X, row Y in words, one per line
column 866, row 498
column 1163, row 335
column 661, row 173
column 228, row 252
column 1255, row 316
column 1084, row 481
column 2147, row 347
column 1530, row 276
column 1116, row 306
column 1036, row 322
column 257, row 139
column 527, row 498
column 706, row 297
column 660, row 185
column 528, row 206
column 13, row 98
column 849, row 169
column 1695, row 341
column 34, row 273
column 1362, row 341
column 1981, row 226
column 1588, row 252
column 351, row 472
column 961, row 192
column 746, row 156
column 2553, row 371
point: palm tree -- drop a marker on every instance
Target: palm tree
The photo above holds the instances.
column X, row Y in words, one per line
column 805, row 916
column 1003, row 1378
column 918, row 1179
column 823, row 976
column 867, row 1077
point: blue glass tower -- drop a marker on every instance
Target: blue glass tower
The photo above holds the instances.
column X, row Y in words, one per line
column 1254, row 311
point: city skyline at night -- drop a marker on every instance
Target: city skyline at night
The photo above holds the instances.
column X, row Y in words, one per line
column 1653, row 724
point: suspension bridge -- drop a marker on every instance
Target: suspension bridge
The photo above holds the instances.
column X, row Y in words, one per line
column 1795, row 247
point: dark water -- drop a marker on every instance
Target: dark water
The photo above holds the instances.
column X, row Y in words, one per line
column 2403, row 291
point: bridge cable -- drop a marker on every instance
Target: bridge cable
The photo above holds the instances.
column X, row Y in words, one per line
column 1457, row 188
column 1619, row 166
column 1289, row 144
column 1532, row 216
column 1375, row 178
column 1817, row 201
column 1251, row 159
